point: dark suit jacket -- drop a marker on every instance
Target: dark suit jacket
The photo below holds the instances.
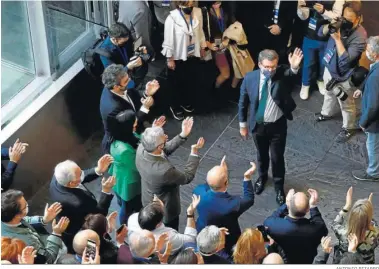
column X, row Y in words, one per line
column 280, row 91
column 111, row 105
column 299, row 238
column 160, row 177
column 223, row 210
column 124, row 255
column 115, row 53
column 370, row 102
column 7, row 173
column 77, row 204
column 215, row 259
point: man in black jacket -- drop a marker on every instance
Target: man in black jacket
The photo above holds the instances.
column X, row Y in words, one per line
column 66, row 187
column 116, row 98
column 13, row 154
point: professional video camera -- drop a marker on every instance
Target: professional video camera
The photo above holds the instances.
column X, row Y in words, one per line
column 357, row 78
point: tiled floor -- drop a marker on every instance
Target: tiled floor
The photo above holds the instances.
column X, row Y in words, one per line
column 313, row 159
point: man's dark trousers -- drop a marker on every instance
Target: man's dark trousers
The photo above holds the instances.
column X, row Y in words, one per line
column 174, row 223
column 271, row 138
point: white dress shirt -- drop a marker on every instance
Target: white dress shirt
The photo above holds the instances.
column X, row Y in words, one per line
column 272, row 111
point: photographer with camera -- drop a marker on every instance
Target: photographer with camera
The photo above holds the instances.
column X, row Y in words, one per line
column 318, row 13
column 341, row 59
column 117, row 48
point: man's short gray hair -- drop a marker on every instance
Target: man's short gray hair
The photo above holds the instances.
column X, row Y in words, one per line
column 152, row 138
column 267, row 54
column 140, row 244
column 112, row 75
column 64, row 172
column 208, row 240
column 373, row 41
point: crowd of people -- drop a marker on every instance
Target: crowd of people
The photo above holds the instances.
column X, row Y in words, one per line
column 136, row 169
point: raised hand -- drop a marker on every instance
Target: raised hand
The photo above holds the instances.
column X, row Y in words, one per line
column 27, row 256
column 223, row 163
column 163, row 238
column 319, row 8
column 295, row 58
column 159, row 122
column 353, row 242
column 111, row 219
column 325, row 244
column 62, row 225
column 148, row 102
column 250, row 171
column 120, row 237
column 16, row 151
column 103, row 163
column 357, row 94
column 289, row 196
column 186, row 127
column 152, row 87
column 89, row 260
column 224, row 231
column 51, row 212
column 370, row 197
column 108, row 184
column 193, row 205
column 163, row 258
column 313, row 200
column 349, row 199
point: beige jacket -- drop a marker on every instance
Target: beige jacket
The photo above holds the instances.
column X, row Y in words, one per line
column 242, row 61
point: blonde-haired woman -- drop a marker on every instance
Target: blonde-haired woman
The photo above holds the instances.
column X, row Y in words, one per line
column 356, row 219
column 251, row 248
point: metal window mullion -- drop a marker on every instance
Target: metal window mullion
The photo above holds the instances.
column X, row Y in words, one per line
column 110, row 16
column 39, row 39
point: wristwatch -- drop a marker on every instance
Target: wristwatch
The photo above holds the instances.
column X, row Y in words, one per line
column 190, row 216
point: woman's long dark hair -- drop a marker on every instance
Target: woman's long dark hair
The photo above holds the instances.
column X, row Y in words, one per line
column 124, row 128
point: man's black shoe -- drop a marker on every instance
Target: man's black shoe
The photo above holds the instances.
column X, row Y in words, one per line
column 259, row 185
column 178, row 114
column 188, row 108
column 280, row 197
column 363, row 176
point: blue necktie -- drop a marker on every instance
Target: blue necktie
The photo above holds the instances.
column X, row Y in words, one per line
column 262, row 102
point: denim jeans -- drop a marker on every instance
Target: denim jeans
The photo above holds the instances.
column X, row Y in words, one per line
column 313, row 51
column 372, row 145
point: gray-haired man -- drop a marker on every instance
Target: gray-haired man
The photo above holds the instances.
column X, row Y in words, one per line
column 158, row 174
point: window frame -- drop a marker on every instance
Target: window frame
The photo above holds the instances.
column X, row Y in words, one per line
column 38, row 92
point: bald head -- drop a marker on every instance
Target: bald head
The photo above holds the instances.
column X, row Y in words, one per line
column 142, row 243
column 81, row 238
column 217, row 178
column 273, row 258
column 299, row 205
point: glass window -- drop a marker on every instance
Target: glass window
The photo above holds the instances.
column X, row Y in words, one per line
column 17, row 62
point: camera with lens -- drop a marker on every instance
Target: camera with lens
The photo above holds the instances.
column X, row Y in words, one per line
column 336, row 25
column 139, row 51
column 336, row 89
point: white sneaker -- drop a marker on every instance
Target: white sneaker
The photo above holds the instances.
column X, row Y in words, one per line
column 321, row 87
column 304, row 92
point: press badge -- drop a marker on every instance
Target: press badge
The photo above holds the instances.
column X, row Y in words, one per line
column 328, row 55
column 312, row 23
column 166, row 3
column 191, row 49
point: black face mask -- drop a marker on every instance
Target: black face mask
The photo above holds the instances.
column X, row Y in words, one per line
column 346, row 27
column 187, row 10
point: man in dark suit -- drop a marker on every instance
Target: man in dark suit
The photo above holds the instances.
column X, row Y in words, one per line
column 268, row 92
column 13, row 154
column 369, row 121
column 158, row 174
column 218, row 207
column 298, row 236
column 117, row 98
column 66, row 187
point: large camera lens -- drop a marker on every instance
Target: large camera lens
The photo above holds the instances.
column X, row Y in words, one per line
column 339, row 93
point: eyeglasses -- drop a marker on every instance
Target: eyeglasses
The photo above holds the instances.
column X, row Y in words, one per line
column 27, row 206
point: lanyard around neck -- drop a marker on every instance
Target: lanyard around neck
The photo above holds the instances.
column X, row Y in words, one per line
column 220, row 20
column 184, row 18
